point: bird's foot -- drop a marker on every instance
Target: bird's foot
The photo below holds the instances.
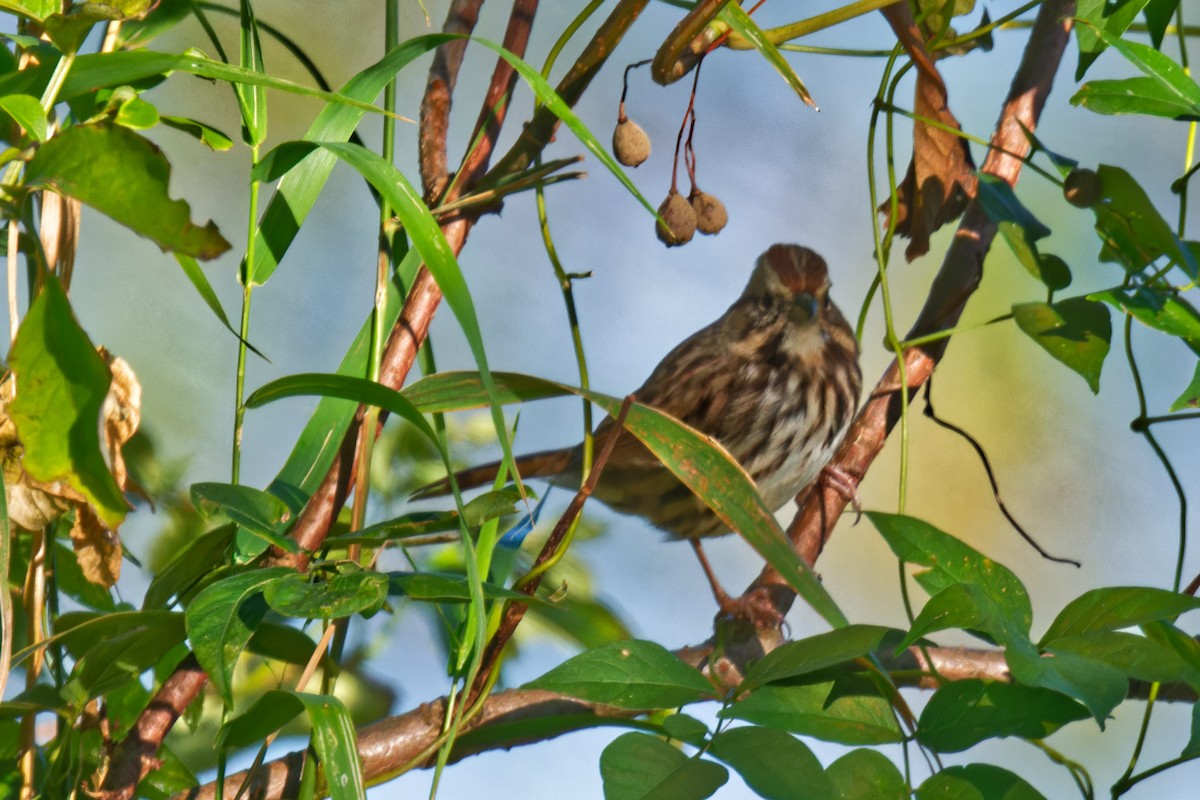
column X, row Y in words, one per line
column 844, row 484
column 754, row 607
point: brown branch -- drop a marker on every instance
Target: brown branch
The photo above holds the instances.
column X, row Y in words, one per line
column 540, row 130
column 402, row 738
column 435, row 106
column 134, row 758
column 956, row 281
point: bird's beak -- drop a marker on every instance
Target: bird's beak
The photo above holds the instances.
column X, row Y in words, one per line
column 804, row 308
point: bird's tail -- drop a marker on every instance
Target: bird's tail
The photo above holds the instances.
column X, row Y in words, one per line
column 546, row 464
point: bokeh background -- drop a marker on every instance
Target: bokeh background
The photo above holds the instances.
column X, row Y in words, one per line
column 1068, row 465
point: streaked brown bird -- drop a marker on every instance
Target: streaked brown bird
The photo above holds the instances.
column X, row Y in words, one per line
column 775, row 380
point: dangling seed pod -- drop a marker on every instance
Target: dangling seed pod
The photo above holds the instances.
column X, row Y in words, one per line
column 1083, row 188
column 711, row 215
column 630, row 143
column 680, row 218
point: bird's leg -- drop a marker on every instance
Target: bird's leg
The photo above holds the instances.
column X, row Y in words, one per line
column 754, row 607
column 844, row 484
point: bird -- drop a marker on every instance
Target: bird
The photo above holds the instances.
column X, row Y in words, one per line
column 775, row 380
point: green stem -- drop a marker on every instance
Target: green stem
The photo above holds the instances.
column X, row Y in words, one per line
column 239, row 412
column 1124, row 783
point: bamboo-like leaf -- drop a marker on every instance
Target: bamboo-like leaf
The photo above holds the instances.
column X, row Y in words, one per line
column 737, row 19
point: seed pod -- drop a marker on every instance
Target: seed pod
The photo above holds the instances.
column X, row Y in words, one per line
column 711, row 215
column 1083, row 188
column 680, row 218
column 630, row 143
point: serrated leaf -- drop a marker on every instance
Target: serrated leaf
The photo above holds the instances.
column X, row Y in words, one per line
column 776, row 765
column 629, row 674
column 1076, row 331
column 63, row 382
column 1116, row 607
column 636, row 766
column 331, row 596
column 963, row 713
column 221, row 619
column 951, row 562
column 124, row 176
column 846, row 711
column 867, row 775
column 814, row 653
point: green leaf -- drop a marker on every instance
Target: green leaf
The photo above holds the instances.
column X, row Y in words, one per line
column 69, row 579
column 212, row 138
column 260, row 513
column 137, row 114
column 977, row 782
column 1111, row 608
column 1000, row 203
column 683, row 728
column 736, row 18
column 704, row 467
column 1191, row 395
column 252, row 100
column 1134, row 233
column 283, row 643
column 963, row 713
column 630, row 674
column 1192, row 748
column 814, row 653
column 125, row 177
column 1158, row 14
column 34, row 9
column 971, row 607
column 331, row 596
column 27, row 112
column 636, row 766
column 1103, row 24
column 849, row 711
column 333, row 735
column 1097, row 685
column 191, row 268
column 221, row 619
column 170, row 778
column 1075, row 331
column 446, row 588
column 867, row 775
column 79, row 631
column 63, row 382
column 1172, row 86
column 1183, row 645
column 197, row 559
column 1140, row 95
column 115, row 661
column 951, row 562
column 776, row 765
column 1161, row 310
column 1138, row 657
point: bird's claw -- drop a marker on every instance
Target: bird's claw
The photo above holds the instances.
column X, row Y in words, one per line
column 845, row 485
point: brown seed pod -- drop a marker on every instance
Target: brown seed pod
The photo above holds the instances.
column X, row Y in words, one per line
column 1083, row 188
column 630, row 143
column 680, row 218
column 711, row 215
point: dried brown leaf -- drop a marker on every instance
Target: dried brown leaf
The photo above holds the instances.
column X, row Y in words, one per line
column 941, row 175
column 97, row 548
